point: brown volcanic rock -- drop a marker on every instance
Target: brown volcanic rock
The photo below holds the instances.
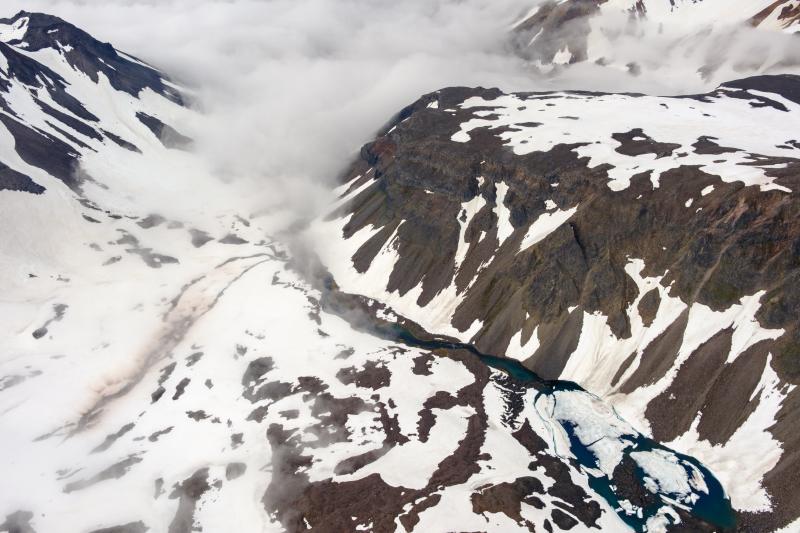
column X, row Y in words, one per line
column 733, row 242
column 788, row 13
column 659, row 356
column 507, row 498
column 671, row 413
column 575, row 265
column 558, row 340
column 330, row 505
column 741, row 241
column 730, row 401
column 648, row 306
column 555, row 26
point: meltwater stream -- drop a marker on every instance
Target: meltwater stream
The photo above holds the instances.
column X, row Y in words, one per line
column 712, row 506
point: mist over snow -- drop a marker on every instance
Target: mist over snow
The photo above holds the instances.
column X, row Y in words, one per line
column 669, row 53
column 290, row 89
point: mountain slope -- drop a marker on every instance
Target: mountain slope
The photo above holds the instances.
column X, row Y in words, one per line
column 644, row 247
column 166, row 364
column 50, row 124
column 684, row 39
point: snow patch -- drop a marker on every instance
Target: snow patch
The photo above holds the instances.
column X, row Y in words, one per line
column 543, row 226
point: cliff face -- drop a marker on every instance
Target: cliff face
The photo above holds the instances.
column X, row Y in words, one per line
column 644, row 247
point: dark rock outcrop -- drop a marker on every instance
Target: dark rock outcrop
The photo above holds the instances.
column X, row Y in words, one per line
column 712, row 251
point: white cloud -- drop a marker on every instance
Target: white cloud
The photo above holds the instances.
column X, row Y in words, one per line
column 290, row 89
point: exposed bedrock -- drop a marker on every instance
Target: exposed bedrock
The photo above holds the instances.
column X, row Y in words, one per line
column 652, row 267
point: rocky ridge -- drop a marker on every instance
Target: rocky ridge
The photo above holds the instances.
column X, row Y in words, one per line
column 643, row 247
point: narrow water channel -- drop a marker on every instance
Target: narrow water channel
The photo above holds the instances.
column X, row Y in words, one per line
column 713, row 507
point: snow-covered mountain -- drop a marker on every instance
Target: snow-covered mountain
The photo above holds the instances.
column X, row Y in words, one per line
column 707, row 39
column 780, row 15
column 643, row 247
column 167, row 365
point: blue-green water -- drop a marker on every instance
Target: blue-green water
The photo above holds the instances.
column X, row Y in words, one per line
column 713, row 507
